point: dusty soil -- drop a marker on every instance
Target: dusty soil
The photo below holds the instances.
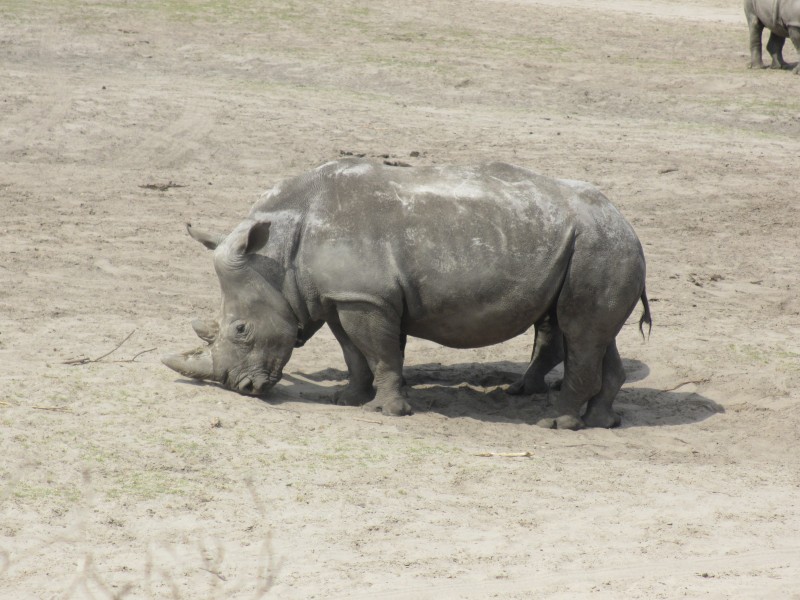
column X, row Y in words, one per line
column 119, row 479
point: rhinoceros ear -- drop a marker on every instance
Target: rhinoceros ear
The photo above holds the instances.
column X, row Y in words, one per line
column 209, row 240
column 253, row 238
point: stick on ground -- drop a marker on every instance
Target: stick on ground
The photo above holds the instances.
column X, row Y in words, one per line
column 84, row 361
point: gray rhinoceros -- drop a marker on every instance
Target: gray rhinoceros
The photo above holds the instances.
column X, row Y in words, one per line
column 463, row 256
column 782, row 18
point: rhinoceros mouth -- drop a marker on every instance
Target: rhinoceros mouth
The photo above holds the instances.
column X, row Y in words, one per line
column 256, row 385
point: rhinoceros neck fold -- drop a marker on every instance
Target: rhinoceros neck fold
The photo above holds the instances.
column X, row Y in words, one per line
column 268, row 293
column 291, row 293
column 278, row 302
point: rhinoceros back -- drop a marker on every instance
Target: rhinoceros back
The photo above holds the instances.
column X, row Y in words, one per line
column 450, row 249
column 776, row 15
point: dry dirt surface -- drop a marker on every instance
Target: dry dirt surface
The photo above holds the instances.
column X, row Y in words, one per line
column 122, row 120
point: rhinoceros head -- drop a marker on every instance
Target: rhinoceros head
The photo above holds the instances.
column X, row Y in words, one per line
column 253, row 337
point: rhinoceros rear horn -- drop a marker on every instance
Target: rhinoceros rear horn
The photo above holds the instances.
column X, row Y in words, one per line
column 209, row 240
column 196, row 364
column 206, row 330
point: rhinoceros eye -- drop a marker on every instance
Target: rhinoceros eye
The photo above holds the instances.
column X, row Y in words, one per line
column 242, row 332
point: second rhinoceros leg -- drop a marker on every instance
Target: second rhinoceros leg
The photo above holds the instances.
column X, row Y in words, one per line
column 599, row 412
column 548, row 351
column 794, row 35
column 775, row 49
column 358, row 390
column 377, row 335
column 582, row 381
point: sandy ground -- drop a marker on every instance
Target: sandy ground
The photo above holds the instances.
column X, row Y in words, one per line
column 119, row 479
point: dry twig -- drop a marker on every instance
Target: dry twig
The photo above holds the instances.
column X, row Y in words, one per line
column 135, row 356
column 84, row 360
column 680, row 385
column 527, row 454
column 368, row 420
column 221, row 577
column 161, row 187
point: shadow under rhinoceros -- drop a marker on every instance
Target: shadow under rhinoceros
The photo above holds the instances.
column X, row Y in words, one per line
column 477, row 390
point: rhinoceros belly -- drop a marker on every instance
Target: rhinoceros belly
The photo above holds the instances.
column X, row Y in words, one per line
column 484, row 289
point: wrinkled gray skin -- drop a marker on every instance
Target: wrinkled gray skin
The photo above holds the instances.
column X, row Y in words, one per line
column 462, row 256
column 782, row 18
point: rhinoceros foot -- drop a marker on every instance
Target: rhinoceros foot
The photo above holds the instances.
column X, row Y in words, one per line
column 395, row 406
column 562, row 422
column 351, row 395
column 525, row 387
column 601, row 418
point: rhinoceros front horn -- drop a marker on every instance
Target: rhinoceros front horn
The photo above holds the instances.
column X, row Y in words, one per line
column 196, row 364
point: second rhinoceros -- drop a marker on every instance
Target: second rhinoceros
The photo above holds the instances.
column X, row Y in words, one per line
column 462, row 256
column 782, row 18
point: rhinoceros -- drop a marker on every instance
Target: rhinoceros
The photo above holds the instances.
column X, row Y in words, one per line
column 463, row 256
column 782, row 18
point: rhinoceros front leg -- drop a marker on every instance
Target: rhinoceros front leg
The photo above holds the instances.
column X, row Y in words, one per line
column 377, row 335
column 756, row 29
column 548, row 351
column 358, row 390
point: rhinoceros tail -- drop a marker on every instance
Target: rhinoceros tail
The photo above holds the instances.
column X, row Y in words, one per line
column 646, row 318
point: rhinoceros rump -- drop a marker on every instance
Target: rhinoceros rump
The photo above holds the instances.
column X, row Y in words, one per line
column 462, row 256
column 782, row 18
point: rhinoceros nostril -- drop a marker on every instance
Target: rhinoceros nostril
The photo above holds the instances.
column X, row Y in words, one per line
column 246, row 385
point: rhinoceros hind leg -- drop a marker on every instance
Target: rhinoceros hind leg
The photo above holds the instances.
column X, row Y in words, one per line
column 794, row 35
column 377, row 336
column 599, row 412
column 775, row 49
column 583, row 379
column 548, row 351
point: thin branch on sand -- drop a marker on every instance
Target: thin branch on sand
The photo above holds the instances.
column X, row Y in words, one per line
column 84, row 360
column 527, row 454
column 680, row 385
column 161, row 187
